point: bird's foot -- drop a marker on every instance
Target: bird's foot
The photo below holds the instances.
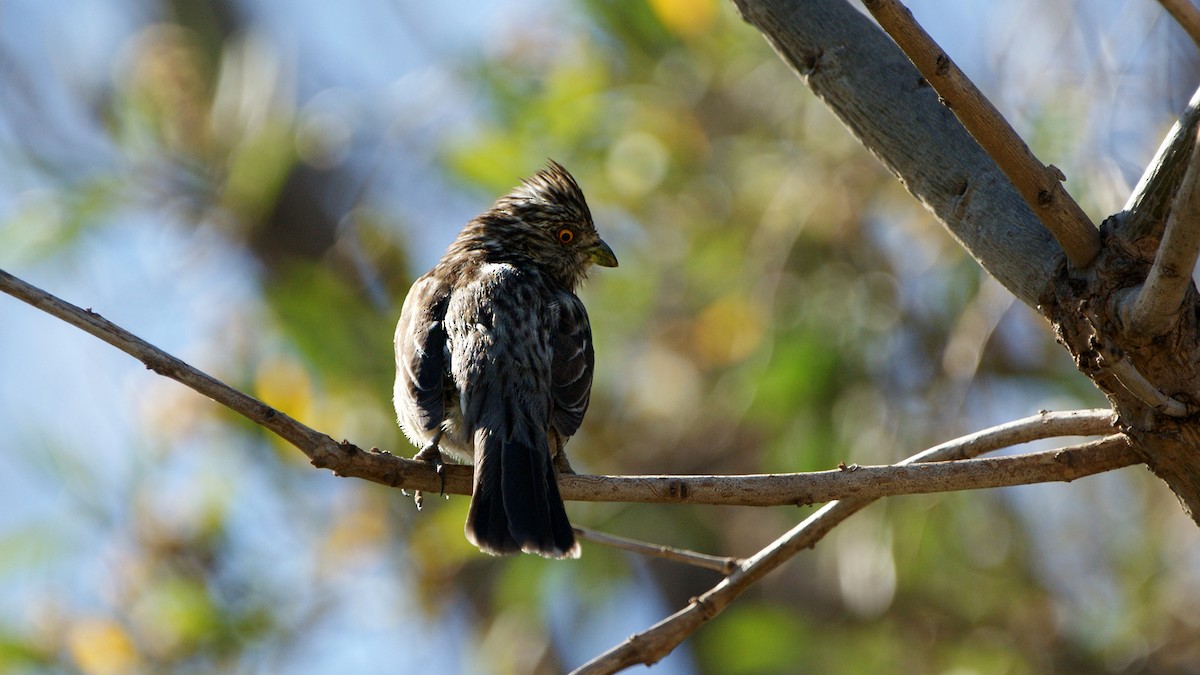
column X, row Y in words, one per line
column 561, row 463
column 430, row 454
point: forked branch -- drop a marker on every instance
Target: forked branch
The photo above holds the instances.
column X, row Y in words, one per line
column 1153, row 308
column 1039, row 185
column 651, row 645
column 346, row 459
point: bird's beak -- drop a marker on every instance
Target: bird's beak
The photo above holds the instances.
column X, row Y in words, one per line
column 602, row 255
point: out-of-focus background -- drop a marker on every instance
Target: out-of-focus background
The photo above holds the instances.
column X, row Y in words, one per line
column 253, row 184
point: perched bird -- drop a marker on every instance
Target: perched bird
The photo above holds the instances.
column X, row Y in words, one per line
column 494, row 359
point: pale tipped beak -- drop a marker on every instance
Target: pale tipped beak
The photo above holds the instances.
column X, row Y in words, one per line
column 602, row 255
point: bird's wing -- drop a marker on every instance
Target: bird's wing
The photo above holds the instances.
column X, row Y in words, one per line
column 502, row 333
column 421, row 354
column 571, row 369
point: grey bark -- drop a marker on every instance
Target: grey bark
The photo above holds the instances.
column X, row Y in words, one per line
column 867, row 81
column 878, row 94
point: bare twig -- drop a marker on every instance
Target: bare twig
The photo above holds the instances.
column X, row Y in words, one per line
column 343, row 458
column 1186, row 14
column 721, row 564
column 854, row 481
column 1154, row 308
column 1039, row 185
column 346, row 459
column 653, row 644
column 1135, row 383
column 1145, row 213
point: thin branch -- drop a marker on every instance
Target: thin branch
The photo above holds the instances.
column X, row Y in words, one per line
column 1146, row 211
column 868, row 482
column 721, row 564
column 760, row 490
column 805, row 488
column 346, row 459
column 1154, row 309
column 659, row 640
column 1039, row 185
column 1135, row 383
column 1186, row 15
column 343, row 458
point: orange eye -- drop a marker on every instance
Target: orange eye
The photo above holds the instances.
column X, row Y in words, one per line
column 565, row 235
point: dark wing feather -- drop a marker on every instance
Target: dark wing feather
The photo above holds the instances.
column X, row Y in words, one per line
column 502, row 352
column 571, row 369
column 421, row 350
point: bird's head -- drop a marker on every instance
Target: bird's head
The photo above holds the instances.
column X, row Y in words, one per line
column 547, row 220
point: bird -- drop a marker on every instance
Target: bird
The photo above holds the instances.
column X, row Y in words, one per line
column 494, row 360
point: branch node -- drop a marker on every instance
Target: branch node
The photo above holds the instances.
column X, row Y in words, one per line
column 811, row 61
column 707, row 611
column 942, row 65
column 677, row 489
column 1065, row 457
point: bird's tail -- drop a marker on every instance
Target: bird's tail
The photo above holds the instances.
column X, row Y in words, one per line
column 515, row 505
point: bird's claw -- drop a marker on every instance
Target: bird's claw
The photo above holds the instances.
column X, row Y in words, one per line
column 431, row 454
column 560, row 456
column 563, row 466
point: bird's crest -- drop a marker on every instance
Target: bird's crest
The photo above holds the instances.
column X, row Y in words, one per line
column 552, row 186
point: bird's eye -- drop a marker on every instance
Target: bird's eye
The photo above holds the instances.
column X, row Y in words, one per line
column 565, row 235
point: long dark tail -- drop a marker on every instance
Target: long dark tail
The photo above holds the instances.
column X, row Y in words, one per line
column 515, row 505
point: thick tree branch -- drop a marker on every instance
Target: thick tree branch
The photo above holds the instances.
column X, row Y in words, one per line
column 1186, row 15
column 1154, row 307
column 653, row 644
column 875, row 90
column 1039, row 185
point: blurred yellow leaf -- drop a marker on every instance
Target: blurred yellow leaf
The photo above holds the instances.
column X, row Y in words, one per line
column 686, row 18
column 283, row 384
column 728, row 330
column 101, row 646
column 358, row 531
